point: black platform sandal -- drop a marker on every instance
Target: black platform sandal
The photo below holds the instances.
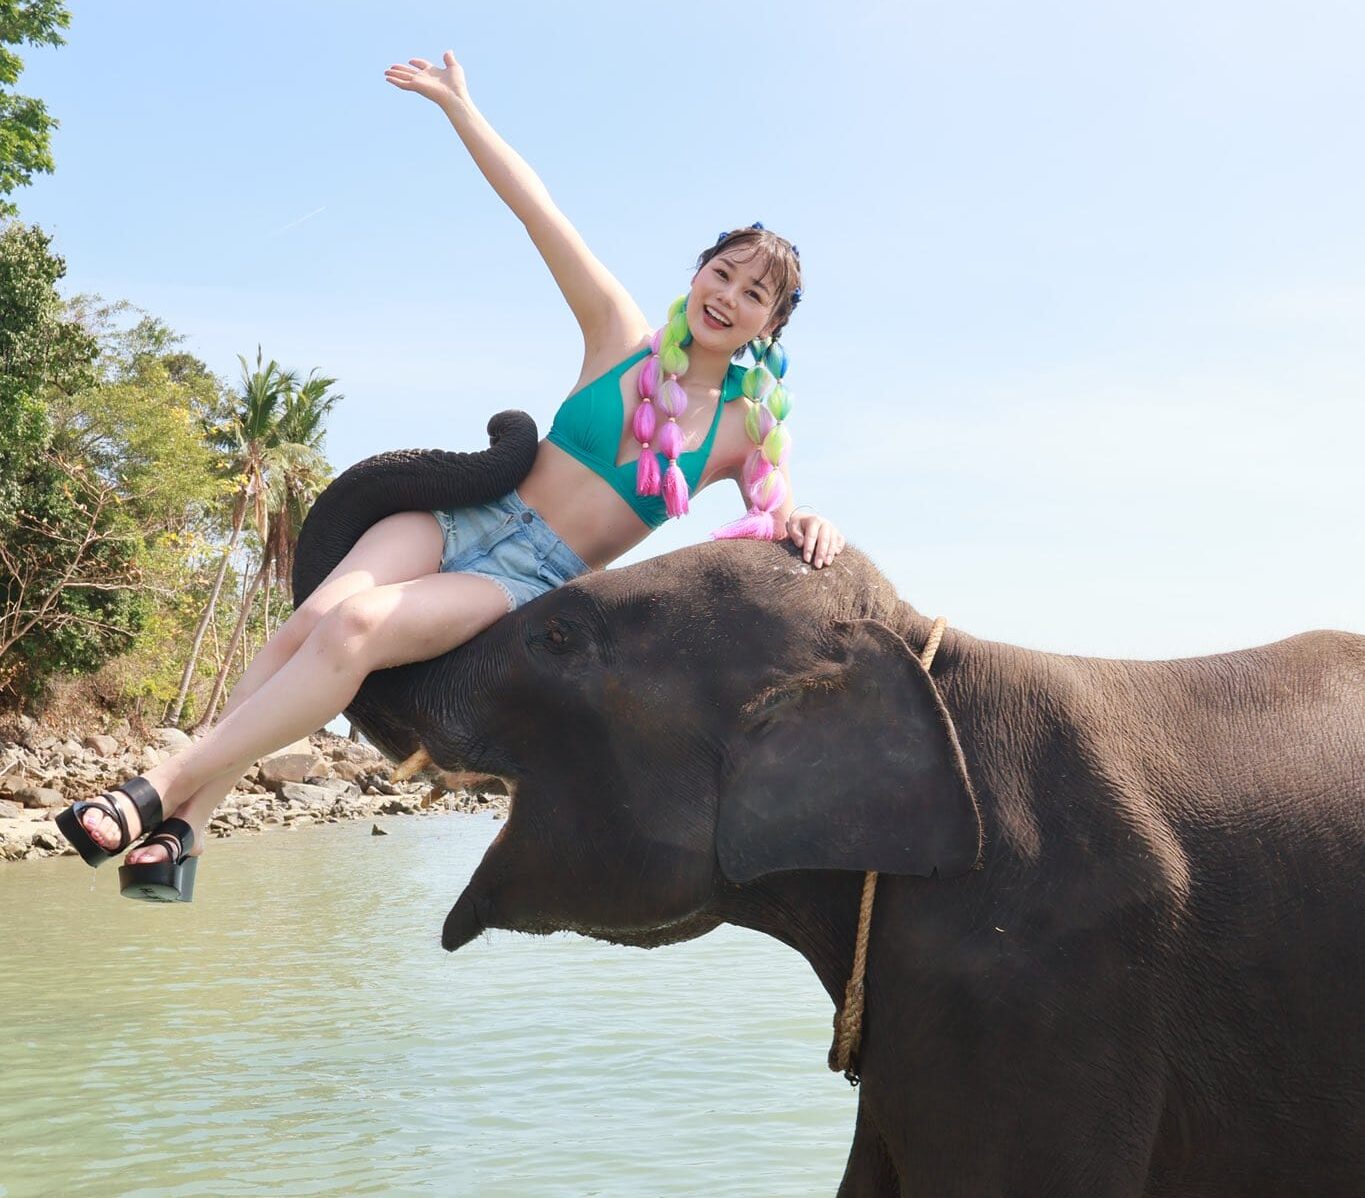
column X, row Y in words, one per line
column 169, row 881
column 145, row 799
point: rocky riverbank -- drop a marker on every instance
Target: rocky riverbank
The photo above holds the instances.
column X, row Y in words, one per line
column 322, row 779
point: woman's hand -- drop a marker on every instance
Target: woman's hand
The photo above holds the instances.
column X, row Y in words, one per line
column 442, row 86
column 815, row 536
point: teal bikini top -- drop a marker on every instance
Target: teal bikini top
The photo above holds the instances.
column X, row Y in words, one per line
column 589, row 424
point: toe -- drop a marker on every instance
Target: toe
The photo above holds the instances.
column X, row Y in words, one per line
column 148, row 854
column 101, row 827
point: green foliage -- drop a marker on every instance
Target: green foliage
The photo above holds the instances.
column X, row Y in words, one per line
column 69, row 577
column 42, row 354
column 25, row 127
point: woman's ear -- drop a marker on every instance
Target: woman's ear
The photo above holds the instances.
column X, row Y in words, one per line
column 856, row 767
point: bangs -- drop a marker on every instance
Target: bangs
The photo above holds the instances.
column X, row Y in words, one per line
column 775, row 272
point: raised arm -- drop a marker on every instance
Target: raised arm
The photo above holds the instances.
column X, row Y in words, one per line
column 598, row 301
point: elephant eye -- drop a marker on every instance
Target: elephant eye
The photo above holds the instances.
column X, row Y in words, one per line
column 555, row 637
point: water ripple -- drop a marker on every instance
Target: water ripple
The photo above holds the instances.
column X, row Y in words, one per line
column 298, row 1031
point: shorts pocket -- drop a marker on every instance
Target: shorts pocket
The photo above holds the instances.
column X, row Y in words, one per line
column 471, row 546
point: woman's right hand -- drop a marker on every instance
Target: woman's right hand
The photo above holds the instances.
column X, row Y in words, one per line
column 441, row 85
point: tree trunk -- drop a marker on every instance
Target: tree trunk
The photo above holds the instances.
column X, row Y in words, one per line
column 353, row 734
column 218, row 683
column 173, row 716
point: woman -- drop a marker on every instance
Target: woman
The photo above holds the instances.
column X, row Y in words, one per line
column 417, row 584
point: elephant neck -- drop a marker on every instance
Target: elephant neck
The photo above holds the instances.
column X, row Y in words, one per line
column 814, row 912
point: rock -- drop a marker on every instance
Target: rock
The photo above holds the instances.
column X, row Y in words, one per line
column 53, row 841
column 121, row 728
column 338, row 786
column 15, row 837
column 12, row 784
column 376, row 830
column 351, row 771
column 293, row 763
column 40, row 796
column 149, row 757
column 105, row 746
column 306, row 794
column 171, row 738
column 9, row 809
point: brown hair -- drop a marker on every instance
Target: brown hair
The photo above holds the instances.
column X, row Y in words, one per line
column 778, row 258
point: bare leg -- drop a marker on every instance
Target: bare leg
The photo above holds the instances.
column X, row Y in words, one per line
column 404, row 546
column 197, row 809
column 372, row 630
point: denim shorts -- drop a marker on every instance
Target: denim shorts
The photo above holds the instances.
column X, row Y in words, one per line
column 510, row 544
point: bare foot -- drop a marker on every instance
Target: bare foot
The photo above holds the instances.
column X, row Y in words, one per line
column 103, row 827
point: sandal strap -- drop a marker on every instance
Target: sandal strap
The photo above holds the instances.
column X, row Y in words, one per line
column 175, row 835
column 145, row 800
column 105, row 802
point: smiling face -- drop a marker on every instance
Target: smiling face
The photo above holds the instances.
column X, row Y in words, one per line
column 738, row 286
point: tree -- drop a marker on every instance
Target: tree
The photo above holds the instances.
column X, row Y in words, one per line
column 25, row 127
column 43, row 354
column 244, row 437
column 296, row 472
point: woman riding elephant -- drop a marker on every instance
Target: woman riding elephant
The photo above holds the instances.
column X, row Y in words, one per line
column 650, row 420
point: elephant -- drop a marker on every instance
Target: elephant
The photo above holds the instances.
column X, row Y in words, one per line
column 1116, row 948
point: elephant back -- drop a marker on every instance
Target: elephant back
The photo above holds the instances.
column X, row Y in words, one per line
column 408, row 480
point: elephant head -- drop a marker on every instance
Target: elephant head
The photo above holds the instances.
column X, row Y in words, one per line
column 674, row 730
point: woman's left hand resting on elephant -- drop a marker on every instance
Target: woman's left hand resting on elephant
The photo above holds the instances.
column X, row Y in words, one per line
column 658, row 413
column 817, row 538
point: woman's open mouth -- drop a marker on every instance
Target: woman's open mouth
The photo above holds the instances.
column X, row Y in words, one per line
column 712, row 319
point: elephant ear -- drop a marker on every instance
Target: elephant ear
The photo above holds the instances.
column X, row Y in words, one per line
column 856, row 767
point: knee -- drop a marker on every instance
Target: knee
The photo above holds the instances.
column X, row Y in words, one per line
column 346, row 629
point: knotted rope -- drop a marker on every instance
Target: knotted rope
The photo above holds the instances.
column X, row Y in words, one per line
column 848, row 1023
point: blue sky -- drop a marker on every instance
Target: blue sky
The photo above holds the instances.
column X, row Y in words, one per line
column 1081, row 362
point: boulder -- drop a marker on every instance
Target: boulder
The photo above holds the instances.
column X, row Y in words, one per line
column 104, row 746
column 40, row 796
column 351, row 771
column 307, row 795
column 293, row 763
column 171, row 738
column 12, row 784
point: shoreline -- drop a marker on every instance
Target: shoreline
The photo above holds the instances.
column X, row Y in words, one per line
column 324, row 778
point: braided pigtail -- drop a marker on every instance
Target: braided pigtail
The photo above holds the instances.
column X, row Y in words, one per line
column 768, row 404
column 659, row 389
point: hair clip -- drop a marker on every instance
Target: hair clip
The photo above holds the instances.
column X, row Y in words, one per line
column 724, row 233
column 795, row 252
column 758, row 224
column 796, row 297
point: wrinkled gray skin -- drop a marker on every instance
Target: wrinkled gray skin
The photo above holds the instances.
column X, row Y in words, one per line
column 1118, row 948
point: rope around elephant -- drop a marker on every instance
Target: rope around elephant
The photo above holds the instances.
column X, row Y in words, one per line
column 848, row 1021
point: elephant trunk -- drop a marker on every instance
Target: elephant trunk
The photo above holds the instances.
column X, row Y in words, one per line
column 391, row 703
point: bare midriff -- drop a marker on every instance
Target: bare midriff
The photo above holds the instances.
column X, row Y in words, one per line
column 587, row 514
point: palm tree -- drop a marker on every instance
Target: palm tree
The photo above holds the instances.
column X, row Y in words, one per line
column 295, row 472
column 244, row 437
column 297, row 475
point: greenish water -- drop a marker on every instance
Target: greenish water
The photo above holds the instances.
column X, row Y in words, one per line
column 297, row 1030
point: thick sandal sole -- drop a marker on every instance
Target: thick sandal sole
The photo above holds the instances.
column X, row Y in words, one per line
column 159, row 881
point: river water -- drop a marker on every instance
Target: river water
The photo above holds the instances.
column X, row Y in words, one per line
column 298, row 1030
